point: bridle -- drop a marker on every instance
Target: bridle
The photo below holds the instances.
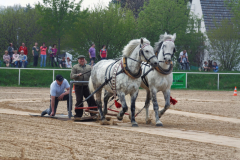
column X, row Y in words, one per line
column 158, row 67
column 127, row 70
column 142, row 53
column 164, row 54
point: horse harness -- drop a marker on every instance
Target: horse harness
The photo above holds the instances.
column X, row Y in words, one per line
column 111, row 81
column 158, row 68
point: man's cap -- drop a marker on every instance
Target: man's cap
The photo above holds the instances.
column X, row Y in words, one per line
column 81, row 56
column 68, row 58
column 59, row 78
column 22, row 50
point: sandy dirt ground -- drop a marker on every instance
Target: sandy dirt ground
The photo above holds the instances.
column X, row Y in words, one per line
column 202, row 125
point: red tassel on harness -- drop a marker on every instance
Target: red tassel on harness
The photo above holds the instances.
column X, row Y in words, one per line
column 173, row 101
column 118, row 105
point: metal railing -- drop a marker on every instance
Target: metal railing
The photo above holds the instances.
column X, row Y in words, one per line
column 53, row 70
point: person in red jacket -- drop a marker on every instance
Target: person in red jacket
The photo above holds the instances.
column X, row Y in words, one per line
column 24, row 48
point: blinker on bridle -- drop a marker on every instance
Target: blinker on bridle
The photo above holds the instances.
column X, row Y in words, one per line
column 142, row 53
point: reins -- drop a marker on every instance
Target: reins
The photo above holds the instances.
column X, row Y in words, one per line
column 124, row 69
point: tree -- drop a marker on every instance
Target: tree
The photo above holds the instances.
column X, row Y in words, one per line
column 134, row 6
column 172, row 16
column 57, row 17
column 112, row 26
column 234, row 6
column 225, row 44
column 18, row 24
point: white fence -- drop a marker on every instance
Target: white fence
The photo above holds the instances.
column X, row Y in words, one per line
column 53, row 70
column 39, row 69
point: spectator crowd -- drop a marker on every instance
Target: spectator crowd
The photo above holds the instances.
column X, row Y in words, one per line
column 19, row 58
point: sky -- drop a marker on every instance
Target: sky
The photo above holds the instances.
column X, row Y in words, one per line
column 85, row 3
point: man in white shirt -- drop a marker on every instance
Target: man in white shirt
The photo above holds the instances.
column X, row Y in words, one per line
column 184, row 52
column 57, row 93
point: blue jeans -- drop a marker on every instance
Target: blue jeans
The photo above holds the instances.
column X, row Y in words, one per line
column 16, row 63
column 23, row 63
column 103, row 58
column 65, row 98
column 43, row 58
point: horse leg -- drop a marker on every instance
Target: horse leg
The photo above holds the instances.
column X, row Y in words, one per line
column 155, row 106
column 147, row 103
column 107, row 95
column 122, row 99
column 99, row 104
column 166, row 94
column 133, row 101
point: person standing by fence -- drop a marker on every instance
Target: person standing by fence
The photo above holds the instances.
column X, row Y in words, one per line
column 103, row 52
column 69, row 63
column 43, row 50
column 10, row 51
column 35, row 52
column 92, row 54
column 53, row 54
column 23, row 48
column 6, row 58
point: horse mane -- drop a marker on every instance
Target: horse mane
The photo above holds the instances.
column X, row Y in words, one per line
column 128, row 49
column 162, row 38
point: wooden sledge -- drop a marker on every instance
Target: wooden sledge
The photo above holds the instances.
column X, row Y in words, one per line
column 57, row 116
column 64, row 117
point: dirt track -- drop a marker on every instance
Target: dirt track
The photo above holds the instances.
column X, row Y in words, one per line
column 189, row 131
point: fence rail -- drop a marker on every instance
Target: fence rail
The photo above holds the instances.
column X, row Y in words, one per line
column 53, row 71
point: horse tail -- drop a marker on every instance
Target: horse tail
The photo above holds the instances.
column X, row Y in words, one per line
column 90, row 85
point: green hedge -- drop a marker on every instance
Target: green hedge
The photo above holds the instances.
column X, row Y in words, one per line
column 43, row 78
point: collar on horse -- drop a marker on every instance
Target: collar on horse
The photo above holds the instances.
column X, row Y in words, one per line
column 127, row 71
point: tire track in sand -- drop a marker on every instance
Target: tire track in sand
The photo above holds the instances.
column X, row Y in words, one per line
column 161, row 131
column 195, row 115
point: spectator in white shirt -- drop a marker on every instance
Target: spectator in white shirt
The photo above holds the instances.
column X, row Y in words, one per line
column 69, row 63
column 184, row 52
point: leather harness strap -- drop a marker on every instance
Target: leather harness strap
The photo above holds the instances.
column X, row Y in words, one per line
column 127, row 71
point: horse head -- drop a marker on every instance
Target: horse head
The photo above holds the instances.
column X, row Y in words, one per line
column 165, row 48
column 146, row 53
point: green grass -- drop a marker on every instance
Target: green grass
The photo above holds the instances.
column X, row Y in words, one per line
column 43, row 78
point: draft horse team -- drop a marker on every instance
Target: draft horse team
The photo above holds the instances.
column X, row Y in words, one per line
column 140, row 65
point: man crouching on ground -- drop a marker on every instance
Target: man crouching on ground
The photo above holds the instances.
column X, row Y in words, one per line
column 57, row 93
column 82, row 72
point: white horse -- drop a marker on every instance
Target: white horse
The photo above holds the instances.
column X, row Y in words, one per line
column 128, row 79
column 161, row 78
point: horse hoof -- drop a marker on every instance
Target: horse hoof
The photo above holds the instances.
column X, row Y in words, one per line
column 134, row 125
column 108, row 118
column 119, row 117
column 104, row 122
column 159, row 124
column 148, row 121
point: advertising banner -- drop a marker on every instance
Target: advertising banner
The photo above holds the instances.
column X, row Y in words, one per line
column 179, row 80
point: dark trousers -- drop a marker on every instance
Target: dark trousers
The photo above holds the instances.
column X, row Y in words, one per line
column 81, row 91
column 35, row 61
column 10, row 62
column 65, row 98
column 52, row 61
